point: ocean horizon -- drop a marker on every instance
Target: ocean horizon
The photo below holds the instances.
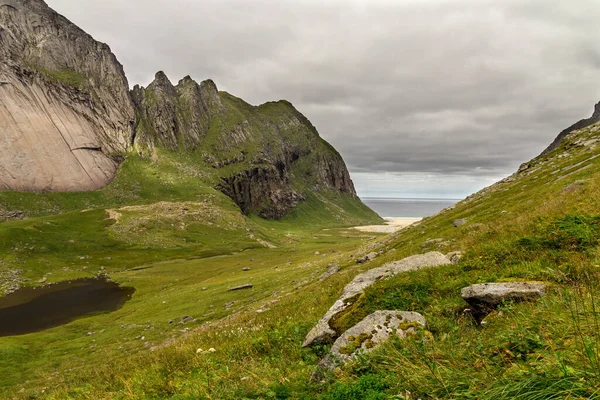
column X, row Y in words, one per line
column 396, row 207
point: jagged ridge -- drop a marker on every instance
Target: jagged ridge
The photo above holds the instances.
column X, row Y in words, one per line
column 265, row 158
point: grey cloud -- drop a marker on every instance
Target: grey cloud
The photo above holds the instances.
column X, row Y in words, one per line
column 446, row 87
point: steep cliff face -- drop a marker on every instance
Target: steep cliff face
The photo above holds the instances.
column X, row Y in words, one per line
column 65, row 111
column 266, row 158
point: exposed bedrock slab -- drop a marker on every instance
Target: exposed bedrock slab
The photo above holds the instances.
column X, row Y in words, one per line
column 323, row 332
column 65, row 112
column 368, row 334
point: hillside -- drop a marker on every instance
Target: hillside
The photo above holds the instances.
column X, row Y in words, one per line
column 540, row 224
column 231, row 226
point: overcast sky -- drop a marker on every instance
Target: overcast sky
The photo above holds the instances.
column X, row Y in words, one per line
column 423, row 98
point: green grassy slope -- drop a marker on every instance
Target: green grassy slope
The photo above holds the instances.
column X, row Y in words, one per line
column 162, row 228
column 541, row 224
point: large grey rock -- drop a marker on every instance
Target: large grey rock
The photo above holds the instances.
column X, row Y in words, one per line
column 65, row 110
column 484, row 297
column 323, row 332
column 368, row 334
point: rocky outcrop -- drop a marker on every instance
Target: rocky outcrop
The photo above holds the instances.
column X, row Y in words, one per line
column 485, row 297
column 174, row 117
column 576, row 126
column 323, row 331
column 459, row 222
column 65, row 110
column 266, row 191
column 369, row 334
column 366, row 258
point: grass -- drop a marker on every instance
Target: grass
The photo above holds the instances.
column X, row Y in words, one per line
column 542, row 225
column 65, row 76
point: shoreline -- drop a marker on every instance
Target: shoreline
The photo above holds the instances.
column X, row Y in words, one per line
column 392, row 224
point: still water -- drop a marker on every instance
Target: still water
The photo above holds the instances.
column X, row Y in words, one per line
column 34, row 309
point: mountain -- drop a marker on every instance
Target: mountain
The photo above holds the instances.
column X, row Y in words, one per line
column 266, row 158
column 69, row 120
column 65, row 109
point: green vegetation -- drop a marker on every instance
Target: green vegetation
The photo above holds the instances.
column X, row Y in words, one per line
column 66, row 76
column 170, row 235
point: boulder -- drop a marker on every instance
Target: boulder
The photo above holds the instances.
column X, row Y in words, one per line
column 367, row 335
column 485, row 297
column 368, row 257
column 459, row 222
column 333, row 269
column 323, row 332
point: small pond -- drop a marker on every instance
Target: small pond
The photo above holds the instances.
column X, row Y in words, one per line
column 34, row 309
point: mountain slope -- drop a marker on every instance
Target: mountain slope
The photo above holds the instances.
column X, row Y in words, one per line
column 266, row 158
column 65, row 110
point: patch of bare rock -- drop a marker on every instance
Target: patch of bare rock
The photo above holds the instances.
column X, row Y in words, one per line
column 367, row 335
column 323, row 332
column 485, row 297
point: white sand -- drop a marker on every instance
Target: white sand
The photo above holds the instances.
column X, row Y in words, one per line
column 391, row 225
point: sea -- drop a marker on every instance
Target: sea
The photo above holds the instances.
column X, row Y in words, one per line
column 407, row 208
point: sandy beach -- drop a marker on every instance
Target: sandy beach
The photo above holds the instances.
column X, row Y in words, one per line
column 391, row 225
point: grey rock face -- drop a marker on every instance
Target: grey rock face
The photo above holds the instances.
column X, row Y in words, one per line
column 484, row 297
column 264, row 190
column 332, row 270
column 578, row 125
column 459, row 222
column 368, row 334
column 65, row 109
column 174, row 116
column 323, row 332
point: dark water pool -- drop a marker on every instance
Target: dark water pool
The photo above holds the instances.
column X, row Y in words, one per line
column 34, row 309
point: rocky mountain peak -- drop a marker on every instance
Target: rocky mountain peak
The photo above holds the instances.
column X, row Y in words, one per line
column 576, row 126
column 162, row 81
column 596, row 113
column 173, row 116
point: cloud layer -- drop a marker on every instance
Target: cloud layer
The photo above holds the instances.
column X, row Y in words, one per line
column 421, row 97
